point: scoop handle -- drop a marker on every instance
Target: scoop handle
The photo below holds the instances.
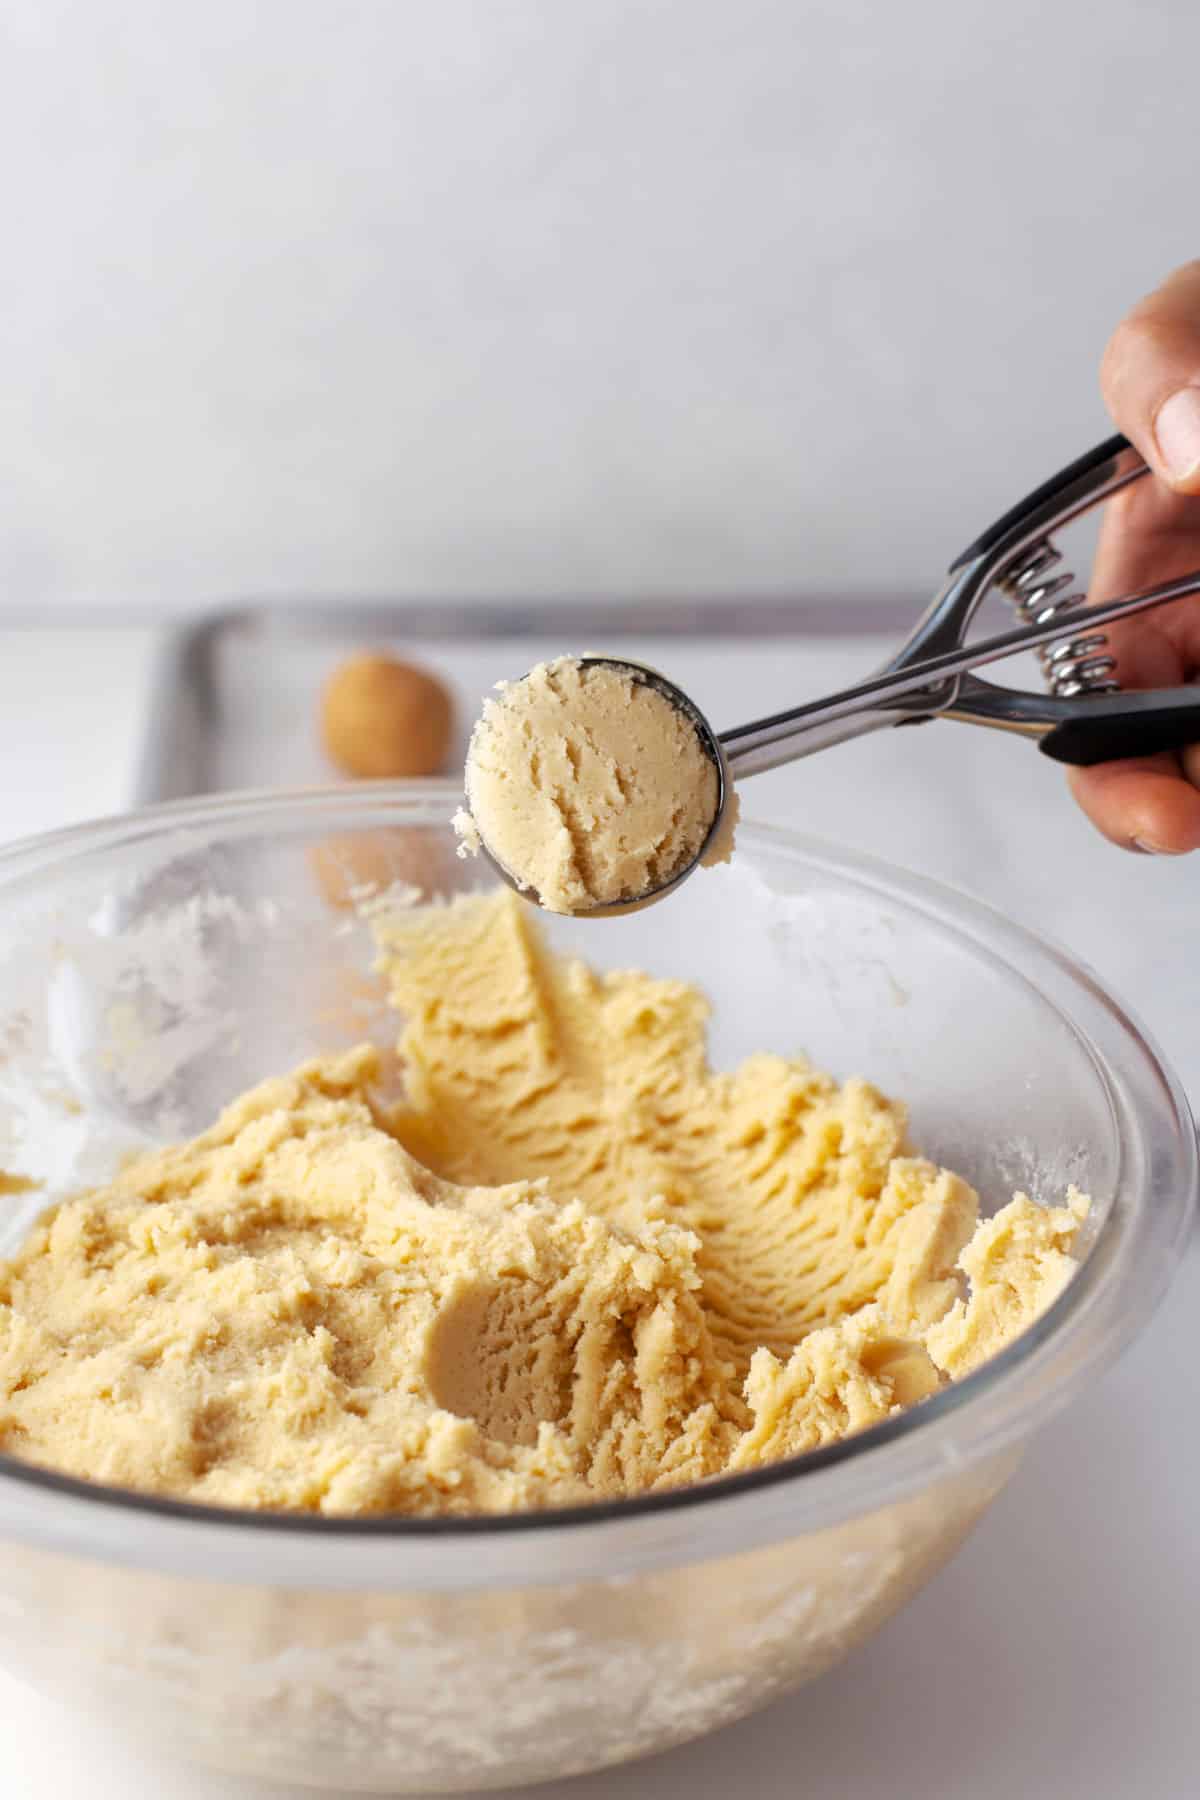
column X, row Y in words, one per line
column 1111, row 726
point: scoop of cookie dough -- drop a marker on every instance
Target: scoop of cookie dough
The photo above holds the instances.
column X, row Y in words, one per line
column 588, row 786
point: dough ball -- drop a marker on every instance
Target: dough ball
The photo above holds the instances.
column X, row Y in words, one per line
column 383, row 717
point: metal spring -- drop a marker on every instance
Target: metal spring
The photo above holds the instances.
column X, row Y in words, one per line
column 1076, row 666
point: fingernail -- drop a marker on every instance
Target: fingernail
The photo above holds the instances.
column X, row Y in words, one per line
column 1144, row 847
column 1177, row 430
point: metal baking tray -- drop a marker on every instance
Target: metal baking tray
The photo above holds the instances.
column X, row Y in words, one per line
column 234, row 705
column 234, row 697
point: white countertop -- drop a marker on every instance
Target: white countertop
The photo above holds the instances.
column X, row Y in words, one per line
column 1056, row 1655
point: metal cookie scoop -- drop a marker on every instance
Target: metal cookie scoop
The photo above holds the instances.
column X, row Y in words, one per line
column 592, row 782
column 1084, row 718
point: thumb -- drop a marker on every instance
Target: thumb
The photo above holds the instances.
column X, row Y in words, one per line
column 1150, row 377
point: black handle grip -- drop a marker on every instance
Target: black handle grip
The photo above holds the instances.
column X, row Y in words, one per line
column 1083, row 465
column 1109, row 727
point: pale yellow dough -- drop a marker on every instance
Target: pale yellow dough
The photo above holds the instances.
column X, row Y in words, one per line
column 1017, row 1263
column 573, row 1263
column 589, row 787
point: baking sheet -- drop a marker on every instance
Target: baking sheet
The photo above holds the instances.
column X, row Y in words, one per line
column 235, row 706
column 235, row 694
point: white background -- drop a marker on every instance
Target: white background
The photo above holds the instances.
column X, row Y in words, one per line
column 499, row 295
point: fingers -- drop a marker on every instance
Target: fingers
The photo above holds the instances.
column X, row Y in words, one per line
column 1151, row 381
column 1142, row 803
column 1148, row 803
column 1150, row 535
column 1150, row 377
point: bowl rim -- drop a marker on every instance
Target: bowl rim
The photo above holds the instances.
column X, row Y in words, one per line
column 377, row 804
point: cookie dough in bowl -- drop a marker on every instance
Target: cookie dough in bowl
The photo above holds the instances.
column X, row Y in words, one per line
column 156, row 969
column 572, row 1263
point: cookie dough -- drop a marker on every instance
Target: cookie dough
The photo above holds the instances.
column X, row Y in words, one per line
column 1017, row 1263
column 381, row 717
column 570, row 1262
column 588, row 786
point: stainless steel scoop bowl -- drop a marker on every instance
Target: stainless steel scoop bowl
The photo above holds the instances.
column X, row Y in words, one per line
column 1085, row 718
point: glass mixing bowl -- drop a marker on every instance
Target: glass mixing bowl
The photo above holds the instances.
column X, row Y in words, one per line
column 153, row 966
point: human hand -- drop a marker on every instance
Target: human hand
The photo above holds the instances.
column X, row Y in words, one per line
column 1150, row 377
